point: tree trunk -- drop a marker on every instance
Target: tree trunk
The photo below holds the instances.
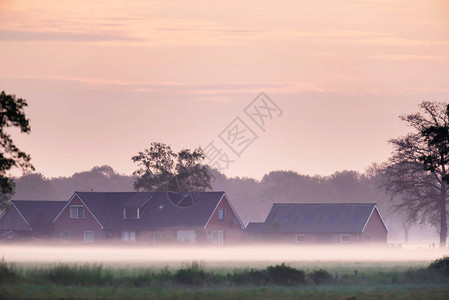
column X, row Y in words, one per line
column 406, row 230
column 443, row 216
column 443, row 223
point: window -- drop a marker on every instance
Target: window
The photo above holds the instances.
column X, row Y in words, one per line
column 131, row 213
column 128, row 236
column 300, row 238
column 160, row 237
column 186, row 236
column 76, row 212
column 217, row 236
column 368, row 238
column 345, row 238
column 65, row 235
column 89, row 236
column 221, row 214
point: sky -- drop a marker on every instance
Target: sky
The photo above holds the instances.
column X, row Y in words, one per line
column 104, row 79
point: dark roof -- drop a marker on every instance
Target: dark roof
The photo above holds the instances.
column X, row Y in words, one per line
column 136, row 200
column 157, row 209
column 30, row 210
column 315, row 218
column 256, row 227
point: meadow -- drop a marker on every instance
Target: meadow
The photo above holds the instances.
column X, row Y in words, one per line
column 324, row 277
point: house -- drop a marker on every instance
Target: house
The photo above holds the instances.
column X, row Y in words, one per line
column 29, row 219
column 149, row 217
column 342, row 223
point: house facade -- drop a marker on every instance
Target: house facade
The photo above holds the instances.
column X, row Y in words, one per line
column 29, row 219
column 149, row 217
column 314, row 224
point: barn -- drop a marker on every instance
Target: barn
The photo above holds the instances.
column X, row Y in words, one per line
column 320, row 223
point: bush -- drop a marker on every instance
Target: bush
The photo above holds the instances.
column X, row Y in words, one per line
column 321, row 277
column 192, row 275
column 279, row 274
column 285, row 275
column 440, row 266
column 256, row 277
column 7, row 272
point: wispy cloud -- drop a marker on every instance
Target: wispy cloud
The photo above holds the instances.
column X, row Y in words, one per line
column 158, row 86
column 402, row 41
column 214, row 92
column 26, row 36
column 411, row 57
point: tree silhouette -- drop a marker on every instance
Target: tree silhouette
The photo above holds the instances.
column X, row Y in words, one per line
column 417, row 173
column 160, row 169
column 34, row 186
column 12, row 114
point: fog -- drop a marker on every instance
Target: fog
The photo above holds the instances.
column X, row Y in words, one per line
column 136, row 255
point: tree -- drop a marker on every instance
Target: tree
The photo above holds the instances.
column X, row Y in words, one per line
column 12, row 114
column 161, row 169
column 394, row 217
column 34, row 186
column 190, row 175
column 417, row 173
column 288, row 186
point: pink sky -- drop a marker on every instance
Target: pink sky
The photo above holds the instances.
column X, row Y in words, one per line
column 104, row 79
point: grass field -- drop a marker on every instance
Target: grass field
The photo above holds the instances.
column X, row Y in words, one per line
column 27, row 291
column 155, row 274
column 195, row 281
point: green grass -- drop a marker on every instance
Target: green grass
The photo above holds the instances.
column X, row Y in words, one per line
column 195, row 281
column 30, row 291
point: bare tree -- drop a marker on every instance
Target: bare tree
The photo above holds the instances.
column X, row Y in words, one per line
column 417, row 172
column 391, row 213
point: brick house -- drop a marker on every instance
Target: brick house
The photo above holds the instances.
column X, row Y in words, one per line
column 149, row 217
column 342, row 223
column 29, row 219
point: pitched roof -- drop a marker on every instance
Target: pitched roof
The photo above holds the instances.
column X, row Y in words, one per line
column 31, row 211
column 157, row 209
column 315, row 218
column 257, row 227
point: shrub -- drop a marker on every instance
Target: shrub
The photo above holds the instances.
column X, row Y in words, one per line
column 440, row 266
column 285, row 275
column 321, row 277
column 256, row 277
column 191, row 275
column 279, row 274
column 7, row 272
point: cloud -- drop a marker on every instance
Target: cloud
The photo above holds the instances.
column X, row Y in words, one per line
column 217, row 92
column 158, row 86
column 27, row 36
column 221, row 30
column 399, row 41
column 411, row 57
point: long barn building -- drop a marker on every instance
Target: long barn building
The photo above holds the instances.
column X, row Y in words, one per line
column 341, row 223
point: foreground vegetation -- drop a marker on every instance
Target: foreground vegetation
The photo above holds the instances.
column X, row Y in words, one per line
column 196, row 282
